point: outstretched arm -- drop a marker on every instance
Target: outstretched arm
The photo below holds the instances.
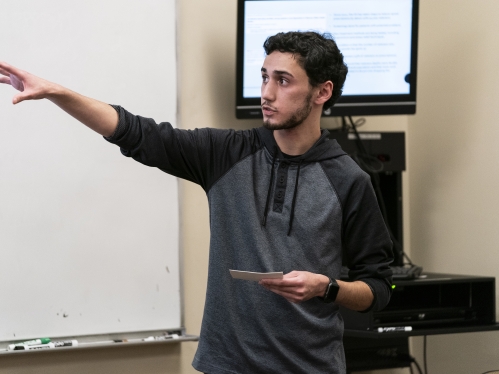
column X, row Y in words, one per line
column 97, row 115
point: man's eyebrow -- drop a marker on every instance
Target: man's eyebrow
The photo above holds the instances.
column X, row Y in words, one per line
column 278, row 72
column 283, row 72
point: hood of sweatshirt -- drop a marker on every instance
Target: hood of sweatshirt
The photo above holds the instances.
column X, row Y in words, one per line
column 323, row 149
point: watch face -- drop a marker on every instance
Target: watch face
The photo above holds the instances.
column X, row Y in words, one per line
column 332, row 291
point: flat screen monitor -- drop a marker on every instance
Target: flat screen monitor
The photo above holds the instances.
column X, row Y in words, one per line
column 378, row 39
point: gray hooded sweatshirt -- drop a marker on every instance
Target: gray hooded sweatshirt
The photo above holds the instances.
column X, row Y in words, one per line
column 271, row 213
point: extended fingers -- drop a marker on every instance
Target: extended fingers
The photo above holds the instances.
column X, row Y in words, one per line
column 5, row 80
column 275, row 283
column 284, row 287
column 290, row 296
column 4, row 72
column 291, row 289
column 7, row 69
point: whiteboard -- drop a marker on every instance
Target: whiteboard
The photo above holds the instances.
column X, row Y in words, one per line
column 88, row 238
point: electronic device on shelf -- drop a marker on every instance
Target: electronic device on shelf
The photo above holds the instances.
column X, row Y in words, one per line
column 378, row 39
column 408, row 271
column 435, row 301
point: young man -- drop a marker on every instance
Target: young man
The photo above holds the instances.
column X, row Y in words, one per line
column 283, row 197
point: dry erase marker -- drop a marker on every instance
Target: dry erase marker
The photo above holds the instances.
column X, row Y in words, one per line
column 395, row 329
column 22, row 347
column 163, row 337
column 68, row 343
column 30, row 342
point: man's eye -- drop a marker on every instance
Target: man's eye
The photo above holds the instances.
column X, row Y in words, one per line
column 265, row 78
column 283, row 81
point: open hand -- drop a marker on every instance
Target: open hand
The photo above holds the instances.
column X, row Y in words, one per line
column 30, row 86
column 297, row 286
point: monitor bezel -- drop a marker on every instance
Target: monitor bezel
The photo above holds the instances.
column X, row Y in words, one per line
column 350, row 105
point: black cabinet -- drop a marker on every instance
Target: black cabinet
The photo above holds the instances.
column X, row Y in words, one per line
column 434, row 300
column 430, row 305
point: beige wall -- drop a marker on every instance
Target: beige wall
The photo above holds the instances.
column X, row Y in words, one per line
column 454, row 160
column 451, row 208
column 454, row 163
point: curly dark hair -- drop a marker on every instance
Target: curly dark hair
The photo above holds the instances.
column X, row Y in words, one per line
column 317, row 54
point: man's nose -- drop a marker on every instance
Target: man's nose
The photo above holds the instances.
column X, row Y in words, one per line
column 268, row 91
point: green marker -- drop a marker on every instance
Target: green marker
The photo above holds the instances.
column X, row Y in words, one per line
column 30, row 342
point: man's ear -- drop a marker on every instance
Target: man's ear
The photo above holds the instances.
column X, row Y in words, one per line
column 324, row 93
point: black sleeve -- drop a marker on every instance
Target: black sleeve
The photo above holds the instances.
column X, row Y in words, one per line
column 367, row 247
column 201, row 156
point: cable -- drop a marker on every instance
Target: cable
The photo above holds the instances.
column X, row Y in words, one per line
column 424, row 354
column 345, row 127
column 417, row 366
column 412, row 360
column 492, row 371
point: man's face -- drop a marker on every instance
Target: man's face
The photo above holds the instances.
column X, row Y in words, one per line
column 286, row 92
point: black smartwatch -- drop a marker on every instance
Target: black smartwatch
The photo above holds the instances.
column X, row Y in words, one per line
column 331, row 291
